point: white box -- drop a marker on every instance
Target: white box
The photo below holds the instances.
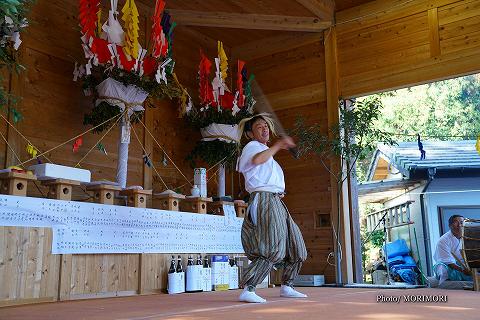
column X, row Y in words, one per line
column 233, row 277
column 199, row 176
column 46, row 171
column 309, row 280
column 207, row 279
column 176, row 282
column 220, row 272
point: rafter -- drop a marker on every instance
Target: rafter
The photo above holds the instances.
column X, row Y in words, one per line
column 249, row 21
column 324, row 9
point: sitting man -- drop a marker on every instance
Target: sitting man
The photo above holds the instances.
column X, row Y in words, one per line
column 450, row 264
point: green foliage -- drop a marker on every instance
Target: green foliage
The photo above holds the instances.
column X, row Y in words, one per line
column 444, row 110
column 376, row 238
column 15, row 10
column 213, row 152
column 201, row 119
column 357, row 122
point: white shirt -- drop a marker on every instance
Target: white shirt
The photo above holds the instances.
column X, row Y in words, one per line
column 267, row 176
column 447, row 244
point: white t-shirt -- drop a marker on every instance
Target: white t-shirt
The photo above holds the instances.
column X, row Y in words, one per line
column 267, row 176
column 447, row 244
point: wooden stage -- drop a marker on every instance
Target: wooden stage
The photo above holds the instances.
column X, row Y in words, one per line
column 322, row 303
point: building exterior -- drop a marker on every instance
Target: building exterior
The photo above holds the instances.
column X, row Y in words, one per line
column 419, row 195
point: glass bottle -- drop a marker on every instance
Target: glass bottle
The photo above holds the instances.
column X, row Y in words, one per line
column 172, row 265
column 179, row 264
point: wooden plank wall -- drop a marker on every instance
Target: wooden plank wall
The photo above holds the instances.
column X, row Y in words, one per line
column 290, row 69
column 389, row 44
column 53, row 107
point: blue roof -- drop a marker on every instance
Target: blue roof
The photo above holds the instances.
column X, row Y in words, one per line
column 449, row 158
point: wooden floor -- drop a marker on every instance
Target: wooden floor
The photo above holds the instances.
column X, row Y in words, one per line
column 322, row 303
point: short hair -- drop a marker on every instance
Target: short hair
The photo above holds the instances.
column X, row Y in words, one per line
column 452, row 218
column 246, row 124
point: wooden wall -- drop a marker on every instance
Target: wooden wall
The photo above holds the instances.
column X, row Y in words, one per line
column 53, row 107
column 390, row 44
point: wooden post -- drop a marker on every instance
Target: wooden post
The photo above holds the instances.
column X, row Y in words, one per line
column 196, row 204
column 240, row 208
column 216, row 207
column 333, row 94
column 169, row 201
column 136, row 197
column 103, row 193
column 60, row 189
column 15, row 183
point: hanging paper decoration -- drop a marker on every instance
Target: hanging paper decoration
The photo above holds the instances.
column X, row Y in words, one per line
column 219, row 111
column 164, row 160
column 241, row 97
column 159, row 40
column 130, row 17
column 88, row 16
column 77, row 144
column 31, row 150
column 113, row 31
column 101, row 147
column 16, row 115
column 99, row 21
column 477, row 145
column 420, row 147
column 206, row 89
column 168, row 27
column 146, row 160
column 223, row 61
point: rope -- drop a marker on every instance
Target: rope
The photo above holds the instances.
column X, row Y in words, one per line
column 64, row 143
column 94, row 145
column 161, row 148
column 14, row 153
column 145, row 152
column 16, row 130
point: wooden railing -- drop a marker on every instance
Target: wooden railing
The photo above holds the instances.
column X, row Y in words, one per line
column 394, row 216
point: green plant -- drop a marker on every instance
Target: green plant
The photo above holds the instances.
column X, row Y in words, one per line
column 12, row 21
column 351, row 139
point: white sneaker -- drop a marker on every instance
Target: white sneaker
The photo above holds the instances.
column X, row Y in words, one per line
column 289, row 292
column 250, row 296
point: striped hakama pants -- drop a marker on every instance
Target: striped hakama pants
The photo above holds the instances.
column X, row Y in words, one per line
column 274, row 240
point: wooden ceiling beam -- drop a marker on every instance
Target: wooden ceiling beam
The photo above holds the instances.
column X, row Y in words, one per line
column 324, row 9
column 249, row 21
column 268, row 46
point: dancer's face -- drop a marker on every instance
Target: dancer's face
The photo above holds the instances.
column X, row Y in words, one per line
column 260, row 131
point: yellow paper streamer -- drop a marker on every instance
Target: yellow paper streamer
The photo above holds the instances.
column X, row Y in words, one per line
column 99, row 21
column 32, row 151
column 223, row 60
column 477, row 145
column 130, row 17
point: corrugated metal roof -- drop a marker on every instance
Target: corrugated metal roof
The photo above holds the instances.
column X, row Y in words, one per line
column 447, row 157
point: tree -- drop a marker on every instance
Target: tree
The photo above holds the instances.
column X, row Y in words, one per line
column 352, row 139
column 444, row 110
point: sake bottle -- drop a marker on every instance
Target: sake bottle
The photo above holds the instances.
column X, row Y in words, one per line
column 206, row 264
column 179, row 264
column 172, row 265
